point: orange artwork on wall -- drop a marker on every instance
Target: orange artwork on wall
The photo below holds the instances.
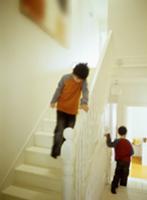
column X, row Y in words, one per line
column 34, row 8
column 51, row 15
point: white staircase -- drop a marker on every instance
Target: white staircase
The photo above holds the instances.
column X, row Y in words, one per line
column 40, row 176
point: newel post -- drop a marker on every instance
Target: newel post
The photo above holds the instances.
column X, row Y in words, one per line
column 68, row 157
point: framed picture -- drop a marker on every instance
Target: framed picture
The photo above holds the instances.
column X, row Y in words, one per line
column 51, row 15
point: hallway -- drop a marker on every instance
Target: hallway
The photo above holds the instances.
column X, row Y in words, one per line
column 137, row 189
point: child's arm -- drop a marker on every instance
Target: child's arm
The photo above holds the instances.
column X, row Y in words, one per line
column 84, row 100
column 109, row 142
column 57, row 92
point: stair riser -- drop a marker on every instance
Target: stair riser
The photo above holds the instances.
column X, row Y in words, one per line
column 47, row 126
column 7, row 197
column 43, row 141
column 50, row 115
column 20, row 193
column 38, row 181
column 40, row 159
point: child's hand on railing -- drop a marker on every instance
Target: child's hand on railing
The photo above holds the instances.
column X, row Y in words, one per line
column 107, row 131
column 107, row 135
column 84, row 107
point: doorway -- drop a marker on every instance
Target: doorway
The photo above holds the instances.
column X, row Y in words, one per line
column 137, row 133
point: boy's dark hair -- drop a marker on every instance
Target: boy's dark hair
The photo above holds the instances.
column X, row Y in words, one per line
column 81, row 70
column 122, row 130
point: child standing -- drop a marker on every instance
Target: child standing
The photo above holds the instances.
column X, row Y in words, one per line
column 123, row 152
column 67, row 96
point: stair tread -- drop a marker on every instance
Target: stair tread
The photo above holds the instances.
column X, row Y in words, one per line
column 43, row 150
column 39, row 149
column 44, row 133
column 47, row 172
column 49, row 120
column 28, row 194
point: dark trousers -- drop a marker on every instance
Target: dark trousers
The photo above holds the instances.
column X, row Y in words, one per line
column 64, row 120
column 121, row 174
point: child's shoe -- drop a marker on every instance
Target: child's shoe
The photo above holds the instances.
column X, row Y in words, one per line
column 113, row 190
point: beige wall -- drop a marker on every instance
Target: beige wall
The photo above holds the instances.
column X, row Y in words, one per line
column 0, row 112
column 132, row 82
column 1, row 82
column 30, row 57
column 93, row 25
column 133, row 94
column 128, row 20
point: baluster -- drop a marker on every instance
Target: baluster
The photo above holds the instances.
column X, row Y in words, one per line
column 68, row 157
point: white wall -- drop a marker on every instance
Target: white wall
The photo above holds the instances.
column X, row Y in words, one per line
column 29, row 57
column 128, row 20
column 132, row 108
column 133, row 94
column 1, row 102
column 0, row 108
column 136, row 120
column 89, row 29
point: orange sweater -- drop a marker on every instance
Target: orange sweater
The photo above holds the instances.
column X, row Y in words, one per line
column 68, row 94
column 69, row 99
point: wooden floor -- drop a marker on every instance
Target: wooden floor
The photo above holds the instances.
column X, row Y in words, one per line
column 136, row 189
column 137, row 170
